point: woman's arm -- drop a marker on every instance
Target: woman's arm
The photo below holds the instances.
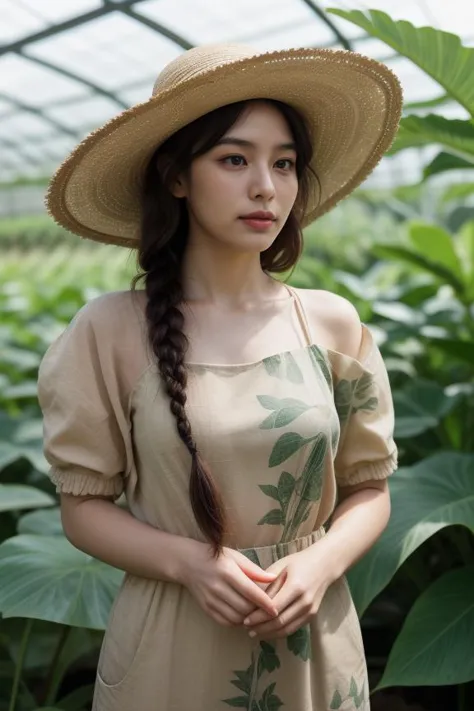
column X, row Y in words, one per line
column 359, row 519
column 100, row 528
column 226, row 588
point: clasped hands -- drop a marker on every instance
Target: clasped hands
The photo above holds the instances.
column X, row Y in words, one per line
column 270, row 603
column 296, row 594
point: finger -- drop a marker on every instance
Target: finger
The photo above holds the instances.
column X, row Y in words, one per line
column 286, row 596
column 258, row 616
column 292, row 613
column 289, row 629
column 238, row 603
column 243, row 585
column 277, row 585
column 220, row 619
column 230, row 615
column 253, row 571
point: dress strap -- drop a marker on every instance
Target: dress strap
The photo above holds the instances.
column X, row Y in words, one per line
column 302, row 318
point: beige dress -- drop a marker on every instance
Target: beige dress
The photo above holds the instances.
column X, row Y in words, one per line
column 279, row 434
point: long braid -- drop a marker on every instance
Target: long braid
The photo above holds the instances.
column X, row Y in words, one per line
column 169, row 344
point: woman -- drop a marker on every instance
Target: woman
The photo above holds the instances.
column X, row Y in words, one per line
column 230, row 409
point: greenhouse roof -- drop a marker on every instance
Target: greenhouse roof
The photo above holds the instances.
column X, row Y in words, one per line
column 65, row 68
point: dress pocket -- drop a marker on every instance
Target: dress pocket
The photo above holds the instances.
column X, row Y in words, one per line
column 125, row 635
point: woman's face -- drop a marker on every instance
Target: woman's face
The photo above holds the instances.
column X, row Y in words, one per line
column 251, row 169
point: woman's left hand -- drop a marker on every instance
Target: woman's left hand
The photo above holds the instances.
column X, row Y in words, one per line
column 303, row 579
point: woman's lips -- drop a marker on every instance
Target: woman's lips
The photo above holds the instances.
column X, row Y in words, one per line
column 257, row 223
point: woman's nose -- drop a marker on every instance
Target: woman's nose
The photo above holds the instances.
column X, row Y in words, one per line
column 262, row 185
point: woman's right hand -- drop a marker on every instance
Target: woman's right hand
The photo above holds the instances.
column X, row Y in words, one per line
column 226, row 587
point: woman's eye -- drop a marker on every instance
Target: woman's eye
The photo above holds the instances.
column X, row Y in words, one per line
column 234, row 160
column 285, row 163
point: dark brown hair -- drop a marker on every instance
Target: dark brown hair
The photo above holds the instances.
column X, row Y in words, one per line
column 164, row 232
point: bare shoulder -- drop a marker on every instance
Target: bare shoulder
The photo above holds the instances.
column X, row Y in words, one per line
column 333, row 320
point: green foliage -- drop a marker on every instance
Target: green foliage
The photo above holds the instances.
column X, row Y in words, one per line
column 443, row 57
column 415, row 287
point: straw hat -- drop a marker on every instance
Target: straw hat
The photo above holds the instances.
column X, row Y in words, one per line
column 352, row 105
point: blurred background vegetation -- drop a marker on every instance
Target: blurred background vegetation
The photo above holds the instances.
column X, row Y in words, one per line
column 404, row 255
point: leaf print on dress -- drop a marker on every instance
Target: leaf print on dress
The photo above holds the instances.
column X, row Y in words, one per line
column 300, row 643
column 350, row 396
column 308, row 487
column 283, row 366
column 247, row 681
column 284, row 410
column 353, row 700
column 281, row 493
column 321, row 364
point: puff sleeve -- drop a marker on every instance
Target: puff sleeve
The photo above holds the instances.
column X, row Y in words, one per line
column 364, row 404
column 85, row 428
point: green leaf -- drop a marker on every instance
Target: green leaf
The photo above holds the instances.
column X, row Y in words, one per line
column 274, row 517
column 268, row 657
column 286, row 487
column 321, row 363
column 461, row 350
column 8, row 454
column 343, row 393
column 270, row 701
column 440, row 54
column 410, row 256
column 428, row 104
column 270, row 490
column 78, row 699
column 269, row 402
column 441, row 620
column 309, row 485
column 436, row 492
column 241, row 685
column 465, row 249
column 336, row 702
column 419, row 407
column 353, row 691
column 444, row 162
column 14, row 497
column 454, row 135
column 240, row 702
column 44, row 522
column 458, row 191
column 285, row 447
column 47, row 578
column 300, row 643
column 285, row 411
column 436, row 245
column 283, row 366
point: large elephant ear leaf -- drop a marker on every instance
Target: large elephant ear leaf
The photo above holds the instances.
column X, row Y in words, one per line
column 435, row 493
column 45, row 577
column 440, row 54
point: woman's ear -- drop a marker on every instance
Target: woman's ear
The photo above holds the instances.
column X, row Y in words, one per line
column 178, row 188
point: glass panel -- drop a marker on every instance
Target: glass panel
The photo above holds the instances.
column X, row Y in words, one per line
column 32, row 84
column 110, row 51
column 85, row 114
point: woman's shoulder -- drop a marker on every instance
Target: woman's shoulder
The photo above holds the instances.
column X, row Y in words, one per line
column 335, row 318
column 114, row 308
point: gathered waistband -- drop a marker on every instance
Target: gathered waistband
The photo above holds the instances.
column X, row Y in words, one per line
column 266, row 555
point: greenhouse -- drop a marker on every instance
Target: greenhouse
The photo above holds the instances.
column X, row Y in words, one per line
column 391, row 243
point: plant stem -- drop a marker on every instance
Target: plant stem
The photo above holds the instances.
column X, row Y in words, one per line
column 19, row 663
column 462, row 697
column 54, row 675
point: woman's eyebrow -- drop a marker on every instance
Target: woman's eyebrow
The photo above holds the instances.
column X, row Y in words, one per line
column 234, row 141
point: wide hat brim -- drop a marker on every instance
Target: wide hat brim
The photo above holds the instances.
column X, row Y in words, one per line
column 352, row 105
